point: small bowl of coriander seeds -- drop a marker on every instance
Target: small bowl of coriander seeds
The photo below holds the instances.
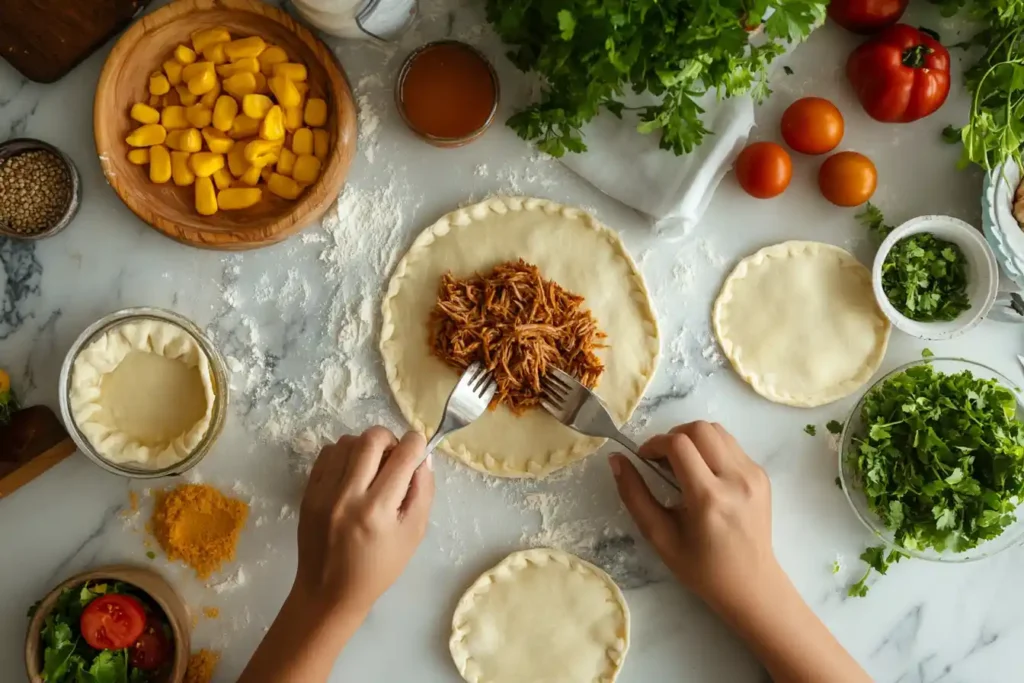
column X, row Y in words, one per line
column 40, row 189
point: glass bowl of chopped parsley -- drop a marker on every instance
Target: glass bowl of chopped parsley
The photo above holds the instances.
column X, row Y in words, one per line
column 932, row 460
column 935, row 277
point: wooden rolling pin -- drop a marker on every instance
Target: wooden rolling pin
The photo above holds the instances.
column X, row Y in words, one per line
column 31, row 443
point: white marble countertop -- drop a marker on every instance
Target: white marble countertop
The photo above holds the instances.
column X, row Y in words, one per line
column 299, row 322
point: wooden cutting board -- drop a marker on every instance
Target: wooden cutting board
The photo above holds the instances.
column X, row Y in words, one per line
column 45, row 39
column 34, row 441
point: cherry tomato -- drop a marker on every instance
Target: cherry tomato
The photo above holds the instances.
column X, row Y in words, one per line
column 150, row 650
column 763, row 169
column 866, row 16
column 812, row 125
column 113, row 622
column 847, row 179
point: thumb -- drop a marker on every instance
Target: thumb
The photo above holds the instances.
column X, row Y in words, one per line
column 652, row 518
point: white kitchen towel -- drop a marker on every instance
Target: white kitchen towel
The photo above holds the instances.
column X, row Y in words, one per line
column 672, row 190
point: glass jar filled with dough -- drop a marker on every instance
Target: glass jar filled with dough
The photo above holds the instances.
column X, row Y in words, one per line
column 144, row 393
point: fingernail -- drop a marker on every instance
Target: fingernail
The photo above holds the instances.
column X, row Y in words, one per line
column 430, row 461
column 613, row 461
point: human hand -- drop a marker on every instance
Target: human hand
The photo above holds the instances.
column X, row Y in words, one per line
column 718, row 539
column 363, row 515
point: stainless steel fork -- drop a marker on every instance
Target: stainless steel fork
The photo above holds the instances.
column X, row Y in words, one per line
column 467, row 402
column 578, row 408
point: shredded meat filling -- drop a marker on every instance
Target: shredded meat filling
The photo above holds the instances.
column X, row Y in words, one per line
column 520, row 326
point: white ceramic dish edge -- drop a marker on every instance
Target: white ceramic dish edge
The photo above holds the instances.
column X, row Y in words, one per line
column 983, row 276
column 998, row 221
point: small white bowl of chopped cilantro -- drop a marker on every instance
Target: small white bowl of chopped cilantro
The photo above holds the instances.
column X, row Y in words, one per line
column 935, row 277
column 932, row 462
column 118, row 623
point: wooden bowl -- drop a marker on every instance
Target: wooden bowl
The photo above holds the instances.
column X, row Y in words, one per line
column 171, row 209
column 147, row 580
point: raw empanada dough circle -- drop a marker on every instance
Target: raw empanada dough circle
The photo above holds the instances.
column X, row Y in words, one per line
column 569, row 247
column 800, row 323
column 142, row 394
column 541, row 616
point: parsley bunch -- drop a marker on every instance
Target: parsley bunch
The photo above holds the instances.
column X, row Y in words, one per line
column 994, row 133
column 590, row 51
column 941, row 461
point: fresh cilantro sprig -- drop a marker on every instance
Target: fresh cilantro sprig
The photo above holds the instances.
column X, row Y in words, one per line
column 941, row 461
column 872, row 219
column 591, row 53
column 811, row 430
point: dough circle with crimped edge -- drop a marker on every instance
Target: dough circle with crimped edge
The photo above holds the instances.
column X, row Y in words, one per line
column 570, row 248
column 541, row 616
column 799, row 322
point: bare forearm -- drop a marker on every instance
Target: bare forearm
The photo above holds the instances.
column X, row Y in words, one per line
column 302, row 644
column 789, row 639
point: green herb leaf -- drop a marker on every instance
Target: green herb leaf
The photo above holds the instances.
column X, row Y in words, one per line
column 150, row 554
column 787, row 70
column 941, row 461
column 926, row 353
column 834, row 427
column 871, row 218
column 925, row 278
column 811, row 429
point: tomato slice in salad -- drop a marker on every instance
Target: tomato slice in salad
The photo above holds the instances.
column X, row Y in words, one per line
column 113, row 622
column 150, row 651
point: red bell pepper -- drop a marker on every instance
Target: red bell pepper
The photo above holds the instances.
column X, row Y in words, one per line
column 901, row 75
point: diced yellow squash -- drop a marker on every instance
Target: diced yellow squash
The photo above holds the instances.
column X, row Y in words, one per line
column 159, row 164
column 206, row 197
column 199, row 116
column 184, row 54
column 224, row 113
column 240, row 84
column 222, row 179
column 284, row 90
column 256, row 106
column 205, row 164
column 174, row 117
column 180, row 171
column 147, row 135
column 216, row 141
column 321, row 143
column 243, row 127
column 271, row 56
column 238, row 198
column 188, row 140
column 143, row 113
column 307, row 169
column 272, row 125
column 316, row 112
column 285, row 161
column 302, row 141
column 283, row 186
column 139, row 156
column 291, row 70
column 244, row 48
column 172, row 68
column 209, row 36
column 158, row 84
column 247, row 64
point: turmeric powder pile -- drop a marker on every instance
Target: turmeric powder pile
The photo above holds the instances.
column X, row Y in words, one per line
column 199, row 525
column 201, row 665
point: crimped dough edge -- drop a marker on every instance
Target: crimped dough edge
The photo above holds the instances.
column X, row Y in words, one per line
column 516, row 561
column 544, row 463
column 757, row 382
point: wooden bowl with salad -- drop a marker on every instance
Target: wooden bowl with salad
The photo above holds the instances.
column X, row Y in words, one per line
column 117, row 623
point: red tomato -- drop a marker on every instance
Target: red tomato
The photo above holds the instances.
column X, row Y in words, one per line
column 901, row 75
column 763, row 169
column 812, row 125
column 113, row 622
column 151, row 650
column 847, row 179
column 866, row 16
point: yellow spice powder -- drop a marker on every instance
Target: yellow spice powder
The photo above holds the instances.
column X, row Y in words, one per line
column 200, row 666
column 211, row 612
column 199, row 525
